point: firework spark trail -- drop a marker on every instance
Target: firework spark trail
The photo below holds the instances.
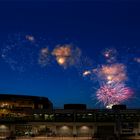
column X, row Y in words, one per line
column 44, row 57
column 108, row 73
column 110, row 55
column 115, row 93
column 30, row 38
column 19, row 52
column 66, row 55
column 112, row 85
column 22, row 52
column 137, row 59
column 112, row 73
column 86, row 73
column 111, row 79
column 62, row 53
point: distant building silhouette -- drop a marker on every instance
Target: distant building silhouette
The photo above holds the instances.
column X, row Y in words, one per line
column 75, row 106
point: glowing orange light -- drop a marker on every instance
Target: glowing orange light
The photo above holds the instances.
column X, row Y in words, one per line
column 61, row 60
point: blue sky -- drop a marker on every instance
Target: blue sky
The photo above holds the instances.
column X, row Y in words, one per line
column 92, row 26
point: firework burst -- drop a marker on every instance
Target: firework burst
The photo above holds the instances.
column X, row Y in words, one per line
column 110, row 55
column 111, row 94
column 66, row 55
column 112, row 73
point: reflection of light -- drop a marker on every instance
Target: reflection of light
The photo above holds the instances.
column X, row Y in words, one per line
column 64, row 127
column 4, row 111
column 84, row 127
column 3, row 126
column 90, row 114
column 4, row 104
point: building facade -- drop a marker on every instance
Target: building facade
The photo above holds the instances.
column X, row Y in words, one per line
column 31, row 115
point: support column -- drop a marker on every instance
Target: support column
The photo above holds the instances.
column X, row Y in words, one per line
column 93, row 129
column 12, row 127
column 55, row 130
column 74, row 130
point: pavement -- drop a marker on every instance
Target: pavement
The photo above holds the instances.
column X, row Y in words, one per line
column 66, row 138
column 54, row 138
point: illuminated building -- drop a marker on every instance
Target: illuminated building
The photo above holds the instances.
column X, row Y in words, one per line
column 31, row 115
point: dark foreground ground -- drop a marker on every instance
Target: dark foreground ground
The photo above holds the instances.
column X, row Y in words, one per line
column 67, row 138
column 72, row 138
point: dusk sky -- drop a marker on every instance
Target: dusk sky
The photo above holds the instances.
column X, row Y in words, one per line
column 99, row 34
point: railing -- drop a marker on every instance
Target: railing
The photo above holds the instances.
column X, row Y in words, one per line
column 73, row 118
